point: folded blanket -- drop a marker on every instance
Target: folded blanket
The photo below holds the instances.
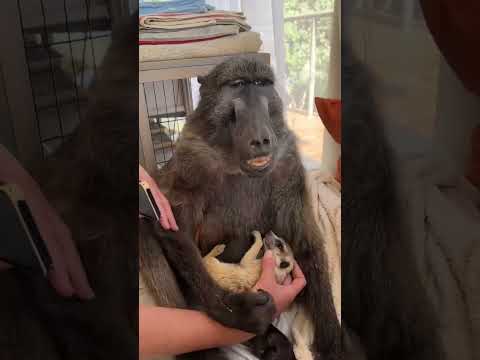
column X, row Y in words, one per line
column 189, row 33
column 184, row 21
column 245, row 42
column 191, row 6
column 172, row 42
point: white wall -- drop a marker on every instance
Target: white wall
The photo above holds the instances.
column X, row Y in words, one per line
column 233, row 5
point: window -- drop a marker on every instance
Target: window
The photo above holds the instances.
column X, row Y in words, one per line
column 307, row 39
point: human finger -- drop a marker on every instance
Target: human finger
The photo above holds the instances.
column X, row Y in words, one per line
column 298, row 279
column 75, row 269
column 58, row 273
column 166, row 214
column 268, row 268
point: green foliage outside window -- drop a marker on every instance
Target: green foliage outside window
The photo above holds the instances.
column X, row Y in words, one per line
column 298, row 38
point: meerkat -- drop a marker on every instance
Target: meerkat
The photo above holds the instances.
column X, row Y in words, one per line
column 244, row 275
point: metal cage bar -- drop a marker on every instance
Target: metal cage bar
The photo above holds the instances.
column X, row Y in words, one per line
column 61, row 59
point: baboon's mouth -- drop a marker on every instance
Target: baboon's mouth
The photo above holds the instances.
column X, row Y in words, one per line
column 260, row 162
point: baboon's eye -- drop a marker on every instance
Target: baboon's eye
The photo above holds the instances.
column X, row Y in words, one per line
column 237, row 83
column 284, row 264
column 259, row 82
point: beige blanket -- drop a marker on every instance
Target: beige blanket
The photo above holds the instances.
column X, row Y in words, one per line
column 245, row 42
column 325, row 192
column 444, row 213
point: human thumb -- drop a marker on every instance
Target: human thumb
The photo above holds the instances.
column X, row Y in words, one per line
column 268, row 263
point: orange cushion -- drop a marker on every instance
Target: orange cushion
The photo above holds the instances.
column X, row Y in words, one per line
column 330, row 111
column 454, row 26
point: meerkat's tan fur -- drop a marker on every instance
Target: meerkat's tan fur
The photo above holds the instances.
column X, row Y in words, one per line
column 236, row 277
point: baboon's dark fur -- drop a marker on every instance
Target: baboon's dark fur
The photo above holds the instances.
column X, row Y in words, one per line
column 383, row 299
column 215, row 200
column 93, row 184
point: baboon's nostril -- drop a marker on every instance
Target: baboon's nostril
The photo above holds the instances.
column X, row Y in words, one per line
column 255, row 143
column 266, row 141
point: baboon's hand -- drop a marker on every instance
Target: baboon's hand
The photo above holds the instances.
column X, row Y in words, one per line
column 249, row 311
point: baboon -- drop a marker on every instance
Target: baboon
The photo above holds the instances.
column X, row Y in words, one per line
column 236, row 168
column 384, row 302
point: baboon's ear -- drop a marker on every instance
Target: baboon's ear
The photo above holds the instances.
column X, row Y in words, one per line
column 201, row 80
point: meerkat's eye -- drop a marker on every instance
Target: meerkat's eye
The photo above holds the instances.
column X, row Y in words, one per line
column 284, row 264
column 237, row 83
column 280, row 246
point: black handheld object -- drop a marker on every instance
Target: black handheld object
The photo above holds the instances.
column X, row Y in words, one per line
column 147, row 207
column 20, row 241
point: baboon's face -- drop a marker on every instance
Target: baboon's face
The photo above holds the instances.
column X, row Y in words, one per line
column 246, row 117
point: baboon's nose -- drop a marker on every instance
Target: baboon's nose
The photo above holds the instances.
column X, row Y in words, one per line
column 261, row 144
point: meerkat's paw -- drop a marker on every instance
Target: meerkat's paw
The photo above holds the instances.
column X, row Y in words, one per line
column 257, row 236
column 301, row 349
column 258, row 243
column 217, row 250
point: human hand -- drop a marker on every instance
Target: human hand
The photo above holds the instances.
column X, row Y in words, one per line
column 282, row 294
column 167, row 220
column 66, row 274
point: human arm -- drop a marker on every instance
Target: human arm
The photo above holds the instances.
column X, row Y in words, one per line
column 155, row 338
column 165, row 331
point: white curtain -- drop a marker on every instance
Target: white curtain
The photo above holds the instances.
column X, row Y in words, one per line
column 332, row 150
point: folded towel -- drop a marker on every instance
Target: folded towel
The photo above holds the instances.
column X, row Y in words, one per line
column 184, row 21
column 245, row 42
column 189, row 33
column 190, row 6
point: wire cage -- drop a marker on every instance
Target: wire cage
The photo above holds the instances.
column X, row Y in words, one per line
column 63, row 51
column 167, row 104
column 65, row 42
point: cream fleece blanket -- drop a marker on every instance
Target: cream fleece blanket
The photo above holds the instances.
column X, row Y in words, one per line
column 327, row 206
column 444, row 214
column 244, row 42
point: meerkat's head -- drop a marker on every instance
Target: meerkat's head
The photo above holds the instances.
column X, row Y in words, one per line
column 282, row 253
